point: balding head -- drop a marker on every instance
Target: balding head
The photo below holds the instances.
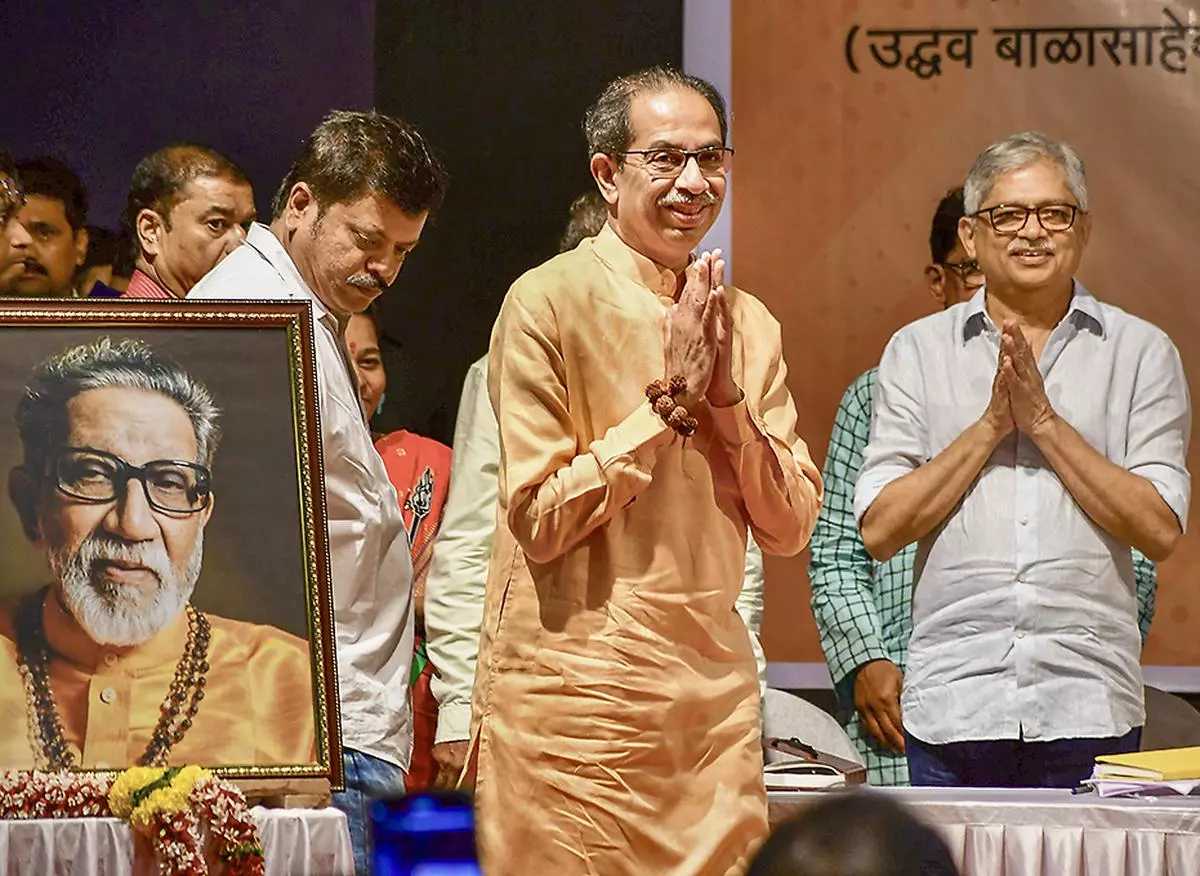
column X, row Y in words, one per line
column 189, row 206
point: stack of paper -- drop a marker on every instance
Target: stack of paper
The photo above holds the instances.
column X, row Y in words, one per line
column 1164, row 771
column 1130, row 788
column 1164, row 764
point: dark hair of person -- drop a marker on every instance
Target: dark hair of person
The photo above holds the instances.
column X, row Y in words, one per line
column 160, row 178
column 50, row 178
column 107, row 247
column 353, row 154
column 587, row 216
column 8, row 166
column 103, row 247
column 855, row 833
column 372, row 313
column 125, row 261
column 943, row 231
column 606, row 124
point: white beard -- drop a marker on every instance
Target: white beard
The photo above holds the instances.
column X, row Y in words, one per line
column 120, row 615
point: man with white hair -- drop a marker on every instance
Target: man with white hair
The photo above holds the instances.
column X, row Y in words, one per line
column 110, row 665
column 1026, row 440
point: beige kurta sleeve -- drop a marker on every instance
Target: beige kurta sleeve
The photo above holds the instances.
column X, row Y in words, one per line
column 553, row 495
column 780, row 485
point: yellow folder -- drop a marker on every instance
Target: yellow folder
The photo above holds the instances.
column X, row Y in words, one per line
column 1162, row 765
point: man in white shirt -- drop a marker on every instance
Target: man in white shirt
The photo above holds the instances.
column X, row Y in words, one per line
column 1025, row 439
column 346, row 216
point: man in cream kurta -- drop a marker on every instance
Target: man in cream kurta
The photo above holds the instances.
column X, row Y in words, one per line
column 616, row 703
column 454, row 591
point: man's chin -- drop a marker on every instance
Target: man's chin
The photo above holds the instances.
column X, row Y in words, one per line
column 34, row 287
column 360, row 299
column 121, row 615
column 685, row 240
column 1036, row 279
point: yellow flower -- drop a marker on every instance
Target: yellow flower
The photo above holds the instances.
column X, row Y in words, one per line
column 169, row 790
column 120, row 795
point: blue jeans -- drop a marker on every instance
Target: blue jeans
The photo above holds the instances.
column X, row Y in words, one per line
column 367, row 778
column 1012, row 763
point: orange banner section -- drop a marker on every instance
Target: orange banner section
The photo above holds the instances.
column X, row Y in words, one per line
column 852, row 119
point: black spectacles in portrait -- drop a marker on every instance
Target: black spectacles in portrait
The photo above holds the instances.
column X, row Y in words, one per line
column 668, row 163
column 170, row 485
column 1012, row 218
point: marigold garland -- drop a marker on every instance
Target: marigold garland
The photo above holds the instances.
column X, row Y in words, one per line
column 165, row 804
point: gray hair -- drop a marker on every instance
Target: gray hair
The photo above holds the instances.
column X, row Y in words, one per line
column 1015, row 152
column 41, row 414
column 606, row 123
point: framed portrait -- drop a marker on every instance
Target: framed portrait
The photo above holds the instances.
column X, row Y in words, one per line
column 164, row 583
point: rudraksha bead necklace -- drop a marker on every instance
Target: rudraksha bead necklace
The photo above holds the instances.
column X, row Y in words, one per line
column 177, row 712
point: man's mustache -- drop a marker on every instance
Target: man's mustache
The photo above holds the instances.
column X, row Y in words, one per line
column 688, row 199
column 365, row 281
column 33, row 266
column 104, row 548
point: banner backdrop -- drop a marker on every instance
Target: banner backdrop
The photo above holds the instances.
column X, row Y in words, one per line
column 852, row 119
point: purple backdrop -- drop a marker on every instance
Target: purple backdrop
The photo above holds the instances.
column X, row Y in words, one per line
column 103, row 84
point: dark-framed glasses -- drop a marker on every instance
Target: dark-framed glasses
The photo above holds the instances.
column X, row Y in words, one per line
column 668, row 163
column 170, row 485
column 968, row 271
column 12, row 199
column 1012, row 218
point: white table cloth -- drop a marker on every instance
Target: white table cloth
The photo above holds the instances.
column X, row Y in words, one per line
column 1043, row 832
column 296, row 842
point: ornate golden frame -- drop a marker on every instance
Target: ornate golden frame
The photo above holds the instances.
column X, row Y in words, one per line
column 294, row 319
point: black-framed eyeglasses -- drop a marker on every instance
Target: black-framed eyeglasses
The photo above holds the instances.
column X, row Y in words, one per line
column 12, row 199
column 170, row 485
column 1012, row 218
column 667, row 163
column 968, row 271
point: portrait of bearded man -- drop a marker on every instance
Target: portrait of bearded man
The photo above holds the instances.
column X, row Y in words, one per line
column 110, row 664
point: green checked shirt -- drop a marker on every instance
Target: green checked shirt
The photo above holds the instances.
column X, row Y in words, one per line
column 863, row 608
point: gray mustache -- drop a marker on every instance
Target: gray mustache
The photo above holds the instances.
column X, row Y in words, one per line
column 702, row 199
column 365, row 281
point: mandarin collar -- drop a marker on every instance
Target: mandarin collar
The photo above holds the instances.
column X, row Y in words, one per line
column 628, row 262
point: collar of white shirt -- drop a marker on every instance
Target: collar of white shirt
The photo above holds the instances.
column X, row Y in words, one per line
column 1084, row 311
column 263, row 240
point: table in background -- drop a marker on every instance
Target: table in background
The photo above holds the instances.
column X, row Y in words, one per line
column 296, row 842
column 1044, row 832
